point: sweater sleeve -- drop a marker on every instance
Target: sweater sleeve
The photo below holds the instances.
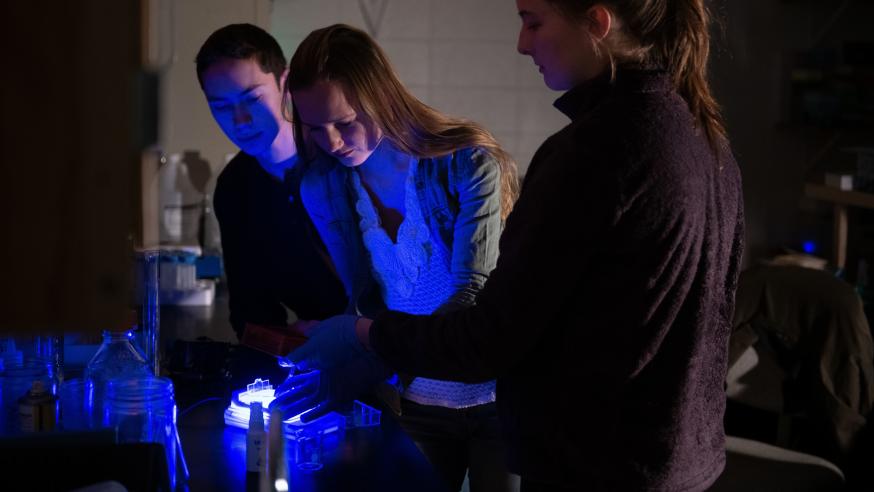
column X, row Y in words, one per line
column 542, row 261
column 477, row 225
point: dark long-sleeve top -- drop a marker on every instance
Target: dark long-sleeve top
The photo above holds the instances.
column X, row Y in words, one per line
column 606, row 319
column 272, row 257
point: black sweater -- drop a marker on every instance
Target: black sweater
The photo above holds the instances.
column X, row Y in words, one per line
column 607, row 317
column 272, row 257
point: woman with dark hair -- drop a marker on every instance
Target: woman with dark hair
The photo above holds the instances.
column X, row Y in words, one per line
column 606, row 319
column 414, row 200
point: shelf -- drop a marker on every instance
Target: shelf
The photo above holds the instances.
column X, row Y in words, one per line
column 838, row 196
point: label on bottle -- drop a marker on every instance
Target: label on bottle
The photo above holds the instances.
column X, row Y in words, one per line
column 28, row 417
column 256, row 451
column 37, row 412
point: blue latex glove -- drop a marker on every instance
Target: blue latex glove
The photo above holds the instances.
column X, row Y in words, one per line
column 331, row 343
column 315, row 393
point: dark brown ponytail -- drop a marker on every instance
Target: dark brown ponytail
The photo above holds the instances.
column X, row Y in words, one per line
column 673, row 35
column 684, row 45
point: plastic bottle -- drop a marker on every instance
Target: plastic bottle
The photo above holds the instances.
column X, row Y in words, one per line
column 116, row 358
column 15, row 380
column 256, row 447
column 209, row 235
column 179, row 201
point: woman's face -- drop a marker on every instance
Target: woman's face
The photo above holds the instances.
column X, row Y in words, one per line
column 561, row 49
column 334, row 125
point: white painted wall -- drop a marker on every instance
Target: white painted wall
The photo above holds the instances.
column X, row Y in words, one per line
column 177, row 29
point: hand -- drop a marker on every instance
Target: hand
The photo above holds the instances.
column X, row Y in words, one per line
column 331, row 343
column 303, row 327
column 315, row 393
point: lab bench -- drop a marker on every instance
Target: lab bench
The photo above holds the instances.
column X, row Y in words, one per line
column 380, row 458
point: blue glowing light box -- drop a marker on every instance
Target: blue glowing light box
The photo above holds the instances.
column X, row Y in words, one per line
column 237, row 414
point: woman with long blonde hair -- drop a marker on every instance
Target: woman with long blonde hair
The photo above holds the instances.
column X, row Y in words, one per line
column 410, row 204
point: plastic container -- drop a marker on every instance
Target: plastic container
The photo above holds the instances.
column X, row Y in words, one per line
column 209, row 234
column 179, row 284
column 306, row 442
column 38, row 409
column 362, row 415
column 180, row 202
column 14, row 351
column 75, row 411
column 143, row 410
column 116, row 358
column 16, row 379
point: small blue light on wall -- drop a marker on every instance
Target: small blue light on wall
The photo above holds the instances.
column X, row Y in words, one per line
column 809, row 247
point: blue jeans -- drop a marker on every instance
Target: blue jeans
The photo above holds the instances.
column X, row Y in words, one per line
column 459, row 441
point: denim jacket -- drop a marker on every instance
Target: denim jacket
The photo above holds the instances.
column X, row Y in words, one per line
column 460, row 198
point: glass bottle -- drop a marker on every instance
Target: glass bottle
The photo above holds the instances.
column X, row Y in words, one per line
column 16, row 379
column 143, row 409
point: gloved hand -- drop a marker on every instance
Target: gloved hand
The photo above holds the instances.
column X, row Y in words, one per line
column 331, row 343
column 315, row 393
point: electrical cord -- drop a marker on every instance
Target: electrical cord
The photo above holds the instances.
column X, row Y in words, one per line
column 195, row 405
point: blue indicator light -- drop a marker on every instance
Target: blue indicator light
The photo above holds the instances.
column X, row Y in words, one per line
column 809, row 247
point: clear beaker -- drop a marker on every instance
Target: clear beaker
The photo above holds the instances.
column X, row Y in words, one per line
column 143, row 410
column 147, row 305
column 307, row 452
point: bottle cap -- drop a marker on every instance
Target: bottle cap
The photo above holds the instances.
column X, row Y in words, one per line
column 37, row 388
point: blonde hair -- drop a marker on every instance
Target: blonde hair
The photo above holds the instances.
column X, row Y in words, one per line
column 349, row 56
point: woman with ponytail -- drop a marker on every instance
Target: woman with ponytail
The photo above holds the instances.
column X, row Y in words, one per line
column 606, row 319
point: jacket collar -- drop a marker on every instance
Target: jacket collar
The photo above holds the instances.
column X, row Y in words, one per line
column 586, row 96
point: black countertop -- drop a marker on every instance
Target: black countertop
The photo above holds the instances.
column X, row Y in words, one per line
column 368, row 459
column 379, row 458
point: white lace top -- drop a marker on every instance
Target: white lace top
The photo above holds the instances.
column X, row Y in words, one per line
column 415, row 278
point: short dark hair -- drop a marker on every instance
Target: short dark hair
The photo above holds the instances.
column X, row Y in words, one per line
column 241, row 42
